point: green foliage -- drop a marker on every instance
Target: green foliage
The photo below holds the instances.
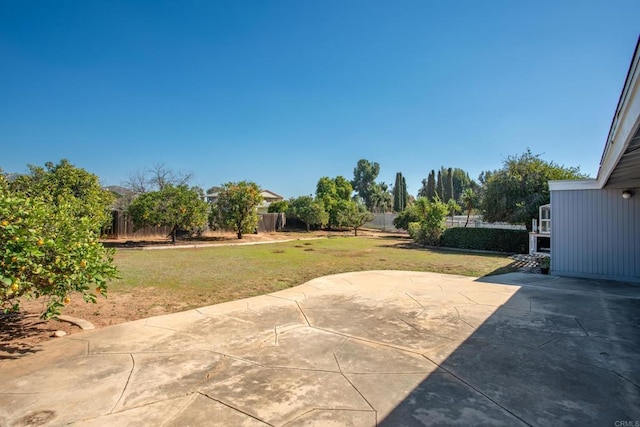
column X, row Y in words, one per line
column 400, row 194
column 469, row 201
column 329, row 192
column 49, row 244
column 514, row 193
column 309, row 211
column 278, row 206
column 353, row 215
column 452, row 208
column 236, row 207
column 381, row 198
column 433, row 214
column 489, row 239
column 180, row 208
column 64, row 183
column 364, row 177
column 410, row 214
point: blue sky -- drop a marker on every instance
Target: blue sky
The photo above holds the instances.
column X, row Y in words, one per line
column 285, row 92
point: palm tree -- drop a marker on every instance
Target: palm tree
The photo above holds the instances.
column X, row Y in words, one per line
column 469, row 199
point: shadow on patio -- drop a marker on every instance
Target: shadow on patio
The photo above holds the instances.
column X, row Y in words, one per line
column 554, row 351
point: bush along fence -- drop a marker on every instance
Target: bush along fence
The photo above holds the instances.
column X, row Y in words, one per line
column 486, row 239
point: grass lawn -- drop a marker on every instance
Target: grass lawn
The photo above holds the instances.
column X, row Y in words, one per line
column 178, row 279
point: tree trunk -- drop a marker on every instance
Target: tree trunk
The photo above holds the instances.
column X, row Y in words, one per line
column 239, row 234
column 468, row 215
column 173, row 235
column 355, row 231
column 308, row 228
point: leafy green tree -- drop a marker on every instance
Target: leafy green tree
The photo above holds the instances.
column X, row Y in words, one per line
column 439, row 186
column 469, row 200
column 410, row 214
column 180, row 208
column 381, row 198
column 452, row 207
column 50, row 223
column 309, row 211
column 514, row 193
column 431, row 186
column 65, row 183
column 461, row 181
column 432, row 215
column 400, row 194
column 330, row 191
column 278, row 206
column 353, row 215
column 364, row 177
column 236, row 207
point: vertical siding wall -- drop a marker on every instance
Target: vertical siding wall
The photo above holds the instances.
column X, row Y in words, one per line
column 595, row 233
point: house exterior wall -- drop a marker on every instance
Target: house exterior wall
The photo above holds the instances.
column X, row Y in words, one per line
column 595, row 233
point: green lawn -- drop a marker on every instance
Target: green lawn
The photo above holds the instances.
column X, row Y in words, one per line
column 195, row 277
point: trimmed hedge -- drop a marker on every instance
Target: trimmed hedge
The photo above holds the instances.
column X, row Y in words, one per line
column 486, row 239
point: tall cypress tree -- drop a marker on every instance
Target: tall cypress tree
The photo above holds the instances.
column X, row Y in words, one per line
column 440, row 186
column 431, row 185
column 405, row 194
column 398, row 202
column 450, row 184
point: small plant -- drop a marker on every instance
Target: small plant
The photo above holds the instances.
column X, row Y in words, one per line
column 545, row 264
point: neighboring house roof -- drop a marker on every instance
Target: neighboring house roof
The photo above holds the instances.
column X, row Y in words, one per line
column 620, row 163
column 267, row 195
column 270, row 195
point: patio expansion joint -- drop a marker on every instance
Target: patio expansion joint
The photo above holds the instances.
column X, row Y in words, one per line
column 462, row 320
column 504, row 408
column 581, row 327
column 356, row 388
column 357, row 338
column 417, row 302
column 626, row 379
column 303, row 314
column 133, row 366
column 205, row 395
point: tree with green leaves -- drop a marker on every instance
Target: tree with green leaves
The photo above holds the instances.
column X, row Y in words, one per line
column 469, row 200
column 364, row 177
column 431, row 185
column 400, row 193
column 50, row 223
column 278, row 206
column 381, row 198
column 452, row 207
column 65, row 183
column 514, row 193
column 309, row 211
column 461, row 181
column 237, row 207
column 353, row 215
column 410, row 214
column 330, row 191
column 431, row 225
column 439, row 186
column 180, row 208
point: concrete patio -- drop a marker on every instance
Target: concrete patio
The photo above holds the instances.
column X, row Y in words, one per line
column 368, row 348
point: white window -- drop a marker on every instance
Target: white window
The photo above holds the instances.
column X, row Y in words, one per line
column 545, row 219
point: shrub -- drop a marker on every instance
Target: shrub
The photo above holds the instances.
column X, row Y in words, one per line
column 46, row 251
column 488, row 239
column 409, row 215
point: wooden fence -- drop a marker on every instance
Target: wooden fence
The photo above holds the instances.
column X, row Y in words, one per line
column 122, row 226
